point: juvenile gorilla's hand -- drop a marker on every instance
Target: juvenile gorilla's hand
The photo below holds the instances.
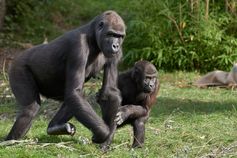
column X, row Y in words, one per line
column 122, row 115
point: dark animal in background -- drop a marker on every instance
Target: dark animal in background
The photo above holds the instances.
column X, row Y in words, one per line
column 139, row 87
column 59, row 69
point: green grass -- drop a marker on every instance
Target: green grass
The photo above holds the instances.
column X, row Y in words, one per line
column 185, row 122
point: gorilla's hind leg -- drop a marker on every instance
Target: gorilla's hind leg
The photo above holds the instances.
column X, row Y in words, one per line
column 23, row 121
column 27, row 95
column 59, row 125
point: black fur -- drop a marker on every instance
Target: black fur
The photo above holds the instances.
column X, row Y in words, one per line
column 139, row 87
column 59, row 69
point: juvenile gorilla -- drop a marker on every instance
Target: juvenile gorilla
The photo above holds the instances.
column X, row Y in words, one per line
column 139, row 87
column 59, row 69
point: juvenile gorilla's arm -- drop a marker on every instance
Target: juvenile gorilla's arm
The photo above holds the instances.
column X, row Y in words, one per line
column 130, row 112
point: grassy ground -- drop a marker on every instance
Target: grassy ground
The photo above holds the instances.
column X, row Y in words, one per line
column 185, row 122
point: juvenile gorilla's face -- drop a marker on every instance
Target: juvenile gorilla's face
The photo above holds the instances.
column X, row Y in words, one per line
column 145, row 75
column 110, row 34
column 149, row 84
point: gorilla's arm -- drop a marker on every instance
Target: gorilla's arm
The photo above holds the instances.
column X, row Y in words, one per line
column 109, row 98
column 130, row 112
column 74, row 95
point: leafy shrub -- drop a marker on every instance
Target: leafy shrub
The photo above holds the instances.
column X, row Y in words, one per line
column 171, row 37
column 167, row 33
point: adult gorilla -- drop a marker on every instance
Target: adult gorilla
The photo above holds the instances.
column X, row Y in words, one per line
column 58, row 70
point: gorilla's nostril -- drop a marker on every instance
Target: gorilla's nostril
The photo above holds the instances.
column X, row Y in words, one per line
column 151, row 86
column 115, row 47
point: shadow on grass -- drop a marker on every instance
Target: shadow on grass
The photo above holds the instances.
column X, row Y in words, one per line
column 166, row 106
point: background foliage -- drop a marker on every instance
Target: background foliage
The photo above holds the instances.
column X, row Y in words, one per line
column 173, row 35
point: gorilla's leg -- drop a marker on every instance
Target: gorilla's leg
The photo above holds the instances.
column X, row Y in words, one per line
column 109, row 107
column 26, row 93
column 58, row 125
column 139, row 132
column 23, row 121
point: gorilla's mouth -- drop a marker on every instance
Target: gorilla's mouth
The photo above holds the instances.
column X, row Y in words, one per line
column 115, row 53
column 110, row 54
column 147, row 90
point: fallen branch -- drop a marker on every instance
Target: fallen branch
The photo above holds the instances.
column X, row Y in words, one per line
column 223, row 151
column 33, row 142
column 12, row 142
column 206, row 144
column 155, row 130
column 117, row 146
column 62, row 145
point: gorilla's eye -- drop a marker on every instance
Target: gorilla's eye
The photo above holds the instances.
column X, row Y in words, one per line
column 153, row 79
column 121, row 36
column 112, row 34
column 147, row 80
column 115, row 35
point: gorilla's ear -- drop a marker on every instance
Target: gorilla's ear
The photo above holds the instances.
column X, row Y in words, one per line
column 101, row 25
column 135, row 73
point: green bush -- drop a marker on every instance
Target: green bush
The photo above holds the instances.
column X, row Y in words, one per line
column 167, row 33
column 172, row 38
